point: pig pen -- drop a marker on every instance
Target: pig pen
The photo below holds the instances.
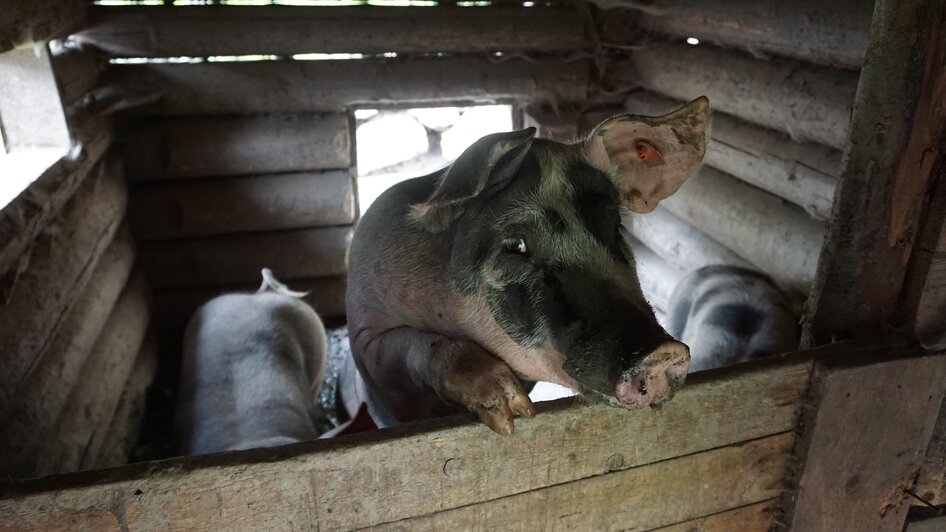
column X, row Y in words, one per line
column 212, row 140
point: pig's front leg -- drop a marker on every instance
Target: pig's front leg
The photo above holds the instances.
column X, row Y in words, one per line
column 418, row 375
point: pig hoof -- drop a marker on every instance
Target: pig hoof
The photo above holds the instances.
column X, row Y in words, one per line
column 494, row 395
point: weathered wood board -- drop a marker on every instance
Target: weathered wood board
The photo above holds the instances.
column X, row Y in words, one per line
column 229, row 259
column 233, row 145
column 274, row 87
column 431, row 466
column 202, row 207
column 751, row 518
column 282, row 30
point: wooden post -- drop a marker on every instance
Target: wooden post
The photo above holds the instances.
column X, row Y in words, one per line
column 895, row 160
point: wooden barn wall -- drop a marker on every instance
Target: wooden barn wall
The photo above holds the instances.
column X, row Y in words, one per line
column 74, row 308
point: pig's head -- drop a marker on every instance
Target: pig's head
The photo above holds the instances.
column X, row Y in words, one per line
column 537, row 247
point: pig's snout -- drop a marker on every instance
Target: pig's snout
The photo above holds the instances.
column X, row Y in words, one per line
column 659, row 376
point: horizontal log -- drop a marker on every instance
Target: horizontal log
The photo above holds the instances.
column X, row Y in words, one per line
column 229, row 259
column 802, row 173
column 667, row 492
column 173, row 307
column 94, row 397
column 267, row 488
column 306, row 86
column 680, row 244
column 657, row 277
column 122, row 431
column 225, row 146
column 780, row 239
column 26, row 21
column 279, row 30
column 24, row 218
column 808, row 102
column 830, row 33
column 28, row 420
column 202, row 207
column 60, row 264
column 756, row 517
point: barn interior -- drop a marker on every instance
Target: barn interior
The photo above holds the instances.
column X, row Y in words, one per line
column 158, row 153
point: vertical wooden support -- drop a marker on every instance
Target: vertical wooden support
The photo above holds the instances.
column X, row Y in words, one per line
column 865, row 440
column 895, row 158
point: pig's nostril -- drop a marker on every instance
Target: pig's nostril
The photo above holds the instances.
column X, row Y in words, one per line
column 660, row 374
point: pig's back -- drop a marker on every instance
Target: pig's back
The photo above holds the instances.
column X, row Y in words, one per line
column 250, row 361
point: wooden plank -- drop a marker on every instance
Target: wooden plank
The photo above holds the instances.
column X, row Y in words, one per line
column 802, row 173
column 311, row 484
column 861, row 454
column 808, row 102
column 24, row 218
column 662, row 493
column 752, row 518
column 202, row 207
column 280, row 30
column 173, row 307
column 931, row 481
column 892, row 165
column 28, row 419
column 229, row 259
column 935, row 524
column 306, row 86
column 226, row 146
column 27, row 21
column 94, row 397
column 778, row 237
column 122, row 431
column 682, row 245
column 830, row 33
column 60, row 264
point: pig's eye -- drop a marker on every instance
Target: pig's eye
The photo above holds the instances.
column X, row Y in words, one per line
column 515, row 245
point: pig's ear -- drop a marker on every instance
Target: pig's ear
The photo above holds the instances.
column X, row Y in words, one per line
column 484, row 168
column 649, row 157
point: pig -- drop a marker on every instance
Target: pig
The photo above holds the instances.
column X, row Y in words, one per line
column 728, row 314
column 509, row 266
column 251, row 370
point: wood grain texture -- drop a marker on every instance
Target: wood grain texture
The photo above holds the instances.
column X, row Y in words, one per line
column 896, row 156
column 228, row 146
column 931, row 482
column 94, row 397
column 28, row 419
column 24, row 218
column 27, row 21
column 866, row 441
column 280, row 30
column 60, row 265
column 185, row 208
column 779, row 238
column 752, row 518
column 803, row 173
column 229, row 259
column 808, row 102
column 640, row 498
column 307, row 86
column 423, row 468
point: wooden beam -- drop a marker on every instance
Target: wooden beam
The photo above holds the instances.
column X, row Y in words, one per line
column 227, row 30
column 779, row 238
column 24, row 218
column 756, row 517
column 808, row 102
column 228, row 259
column 830, row 33
column 931, row 482
column 803, row 173
column 26, row 21
column 664, row 493
column 452, row 462
column 896, row 158
column 227, row 146
column 275, row 87
column 173, row 307
column 201, row 207
column 60, row 264
column 28, row 419
column 94, row 396
column 864, row 442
